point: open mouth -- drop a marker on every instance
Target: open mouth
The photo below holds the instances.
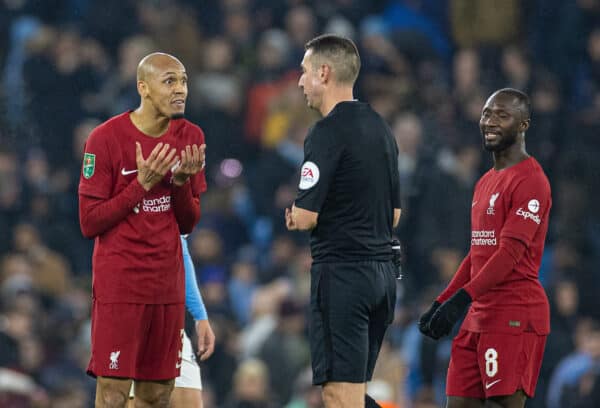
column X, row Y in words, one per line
column 180, row 103
column 491, row 136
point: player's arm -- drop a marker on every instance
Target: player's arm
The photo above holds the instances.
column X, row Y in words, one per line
column 97, row 215
column 188, row 182
column 531, row 204
column 195, row 305
column 497, row 268
column 461, row 277
column 98, row 212
column 186, row 207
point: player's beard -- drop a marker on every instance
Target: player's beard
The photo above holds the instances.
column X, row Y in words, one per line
column 178, row 115
column 506, row 140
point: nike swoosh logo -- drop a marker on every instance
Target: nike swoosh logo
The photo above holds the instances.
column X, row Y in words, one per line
column 177, row 365
column 490, row 385
column 473, row 204
column 126, row 172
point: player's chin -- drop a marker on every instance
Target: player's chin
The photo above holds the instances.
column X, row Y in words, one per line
column 177, row 114
column 491, row 146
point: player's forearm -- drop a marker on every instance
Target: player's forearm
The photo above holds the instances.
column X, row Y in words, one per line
column 460, row 279
column 193, row 298
column 186, row 207
column 97, row 216
column 497, row 268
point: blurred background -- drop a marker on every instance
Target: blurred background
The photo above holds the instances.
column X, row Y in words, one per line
column 428, row 66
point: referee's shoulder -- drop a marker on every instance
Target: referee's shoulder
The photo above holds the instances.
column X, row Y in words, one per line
column 329, row 124
column 323, row 133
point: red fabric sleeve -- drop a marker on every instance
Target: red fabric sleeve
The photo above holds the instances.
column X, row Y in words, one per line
column 97, row 215
column 497, row 267
column 461, row 277
column 186, row 207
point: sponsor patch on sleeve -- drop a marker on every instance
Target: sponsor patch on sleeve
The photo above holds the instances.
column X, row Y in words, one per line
column 533, row 205
column 309, row 176
column 89, row 165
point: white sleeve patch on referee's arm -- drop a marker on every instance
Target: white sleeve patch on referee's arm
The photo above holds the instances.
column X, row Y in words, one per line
column 309, row 176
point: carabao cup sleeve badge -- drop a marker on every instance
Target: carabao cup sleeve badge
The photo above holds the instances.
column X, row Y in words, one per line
column 89, row 164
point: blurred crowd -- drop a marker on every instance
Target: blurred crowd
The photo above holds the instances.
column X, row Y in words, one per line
column 428, row 66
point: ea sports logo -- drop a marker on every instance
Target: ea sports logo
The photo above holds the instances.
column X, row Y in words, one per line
column 306, row 172
column 533, row 206
column 309, row 175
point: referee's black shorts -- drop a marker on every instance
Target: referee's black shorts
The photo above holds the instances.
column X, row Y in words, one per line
column 351, row 306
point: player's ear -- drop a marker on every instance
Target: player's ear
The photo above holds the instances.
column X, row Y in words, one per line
column 142, row 88
column 524, row 125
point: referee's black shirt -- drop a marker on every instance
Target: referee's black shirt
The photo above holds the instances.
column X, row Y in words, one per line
column 350, row 177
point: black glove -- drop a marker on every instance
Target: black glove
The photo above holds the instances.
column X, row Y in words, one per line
column 446, row 316
column 397, row 257
column 426, row 317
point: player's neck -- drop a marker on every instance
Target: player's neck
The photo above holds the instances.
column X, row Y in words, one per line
column 335, row 96
column 148, row 122
column 510, row 156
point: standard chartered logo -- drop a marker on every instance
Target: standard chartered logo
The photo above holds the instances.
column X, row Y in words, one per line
column 156, row 205
column 484, row 237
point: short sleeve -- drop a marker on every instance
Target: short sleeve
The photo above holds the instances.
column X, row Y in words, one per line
column 321, row 156
column 199, row 185
column 529, row 208
column 96, row 175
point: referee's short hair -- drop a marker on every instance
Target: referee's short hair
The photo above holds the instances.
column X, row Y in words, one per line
column 339, row 53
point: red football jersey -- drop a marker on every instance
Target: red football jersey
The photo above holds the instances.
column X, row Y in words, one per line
column 513, row 202
column 139, row 260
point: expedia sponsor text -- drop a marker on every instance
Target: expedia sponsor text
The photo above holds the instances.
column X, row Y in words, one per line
column 529, row 215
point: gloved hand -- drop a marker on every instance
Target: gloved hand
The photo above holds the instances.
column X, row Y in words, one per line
column 446, row 316
column 426, row 317
column 397, row 257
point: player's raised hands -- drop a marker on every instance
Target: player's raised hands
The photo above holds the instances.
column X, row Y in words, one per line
column 153, row 168
column 192, row 162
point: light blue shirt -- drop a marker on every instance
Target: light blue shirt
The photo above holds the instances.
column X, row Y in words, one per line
column 193, row 298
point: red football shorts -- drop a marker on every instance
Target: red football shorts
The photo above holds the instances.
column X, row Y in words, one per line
column 484, row 365
column 136, row 341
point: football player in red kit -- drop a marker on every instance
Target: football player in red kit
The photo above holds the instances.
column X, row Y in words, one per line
column 497, row 354
column 139, row 189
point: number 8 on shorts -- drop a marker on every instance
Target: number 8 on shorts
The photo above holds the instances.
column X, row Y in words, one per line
column 491, row 362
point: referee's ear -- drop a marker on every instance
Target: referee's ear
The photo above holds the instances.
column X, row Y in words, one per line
column 325, row 73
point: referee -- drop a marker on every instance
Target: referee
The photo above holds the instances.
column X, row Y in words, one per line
column 349, row 196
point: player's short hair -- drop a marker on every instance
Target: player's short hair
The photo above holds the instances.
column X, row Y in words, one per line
column 340, row 53
column 521, row 96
